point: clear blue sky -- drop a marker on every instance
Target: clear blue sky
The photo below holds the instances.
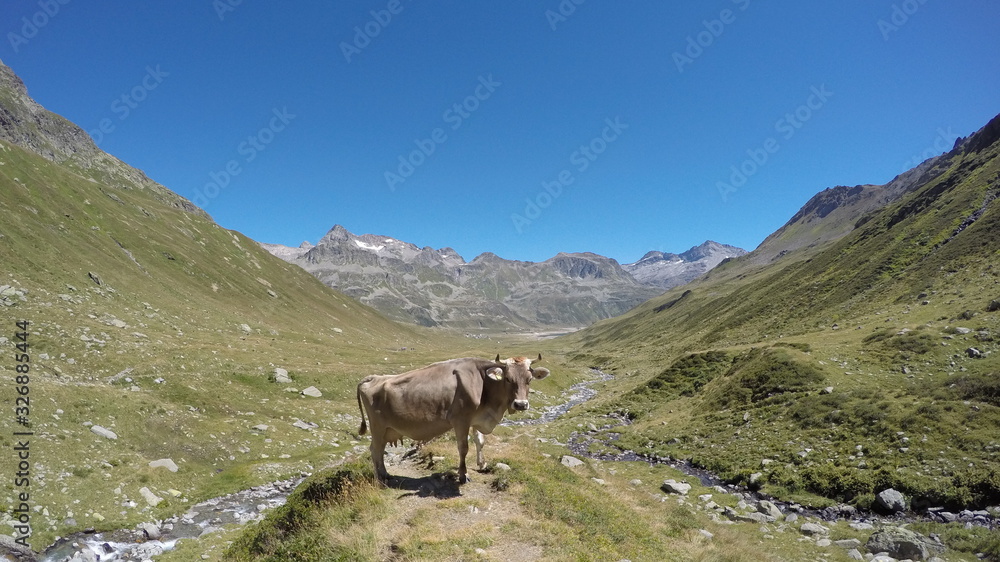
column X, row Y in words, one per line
column 306, row 117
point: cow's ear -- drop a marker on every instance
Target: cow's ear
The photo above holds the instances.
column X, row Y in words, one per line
column 496, row 373
column 540, row 373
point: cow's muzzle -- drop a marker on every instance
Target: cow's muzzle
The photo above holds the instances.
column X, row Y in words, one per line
column 521, row 405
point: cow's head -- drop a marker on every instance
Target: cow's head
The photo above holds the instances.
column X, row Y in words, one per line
column 517, row 373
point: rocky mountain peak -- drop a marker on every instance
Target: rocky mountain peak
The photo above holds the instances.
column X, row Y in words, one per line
column 666, row 270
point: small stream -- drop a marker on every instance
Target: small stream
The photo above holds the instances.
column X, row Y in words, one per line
column 242, row 507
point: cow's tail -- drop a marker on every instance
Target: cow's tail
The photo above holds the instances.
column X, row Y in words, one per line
column 364, row 426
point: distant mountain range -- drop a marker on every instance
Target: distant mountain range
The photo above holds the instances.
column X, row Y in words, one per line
column 666, row 270
column 439, row 288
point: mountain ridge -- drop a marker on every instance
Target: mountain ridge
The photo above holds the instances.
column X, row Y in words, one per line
column 438, row 287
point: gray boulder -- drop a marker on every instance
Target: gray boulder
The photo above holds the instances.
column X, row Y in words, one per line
column 103, row 432
column 768, row 508
column 673, row 487
column 281, row 376
column 813, row 529
column 570, row 461
column 312, row 391
column 890, row 500
column 902, row 543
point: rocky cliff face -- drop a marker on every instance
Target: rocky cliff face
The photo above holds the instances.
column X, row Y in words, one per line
column 437, row 287
column 667, row 270
column 25, row 123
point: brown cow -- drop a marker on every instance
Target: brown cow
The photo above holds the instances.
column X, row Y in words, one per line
column 458, row 394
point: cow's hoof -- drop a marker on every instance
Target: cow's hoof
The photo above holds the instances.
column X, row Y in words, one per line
column 464, row 479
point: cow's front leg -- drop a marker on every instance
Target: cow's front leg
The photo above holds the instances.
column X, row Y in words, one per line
column 462, row 436
column 479, row 439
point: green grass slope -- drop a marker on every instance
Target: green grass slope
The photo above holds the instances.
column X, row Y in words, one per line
column 837, row 372
column 156, row 323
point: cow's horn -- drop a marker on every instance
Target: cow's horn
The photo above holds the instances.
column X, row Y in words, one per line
column 497, row 359
column 539, row 358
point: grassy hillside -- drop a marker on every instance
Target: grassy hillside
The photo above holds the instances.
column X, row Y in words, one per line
column 154, row 322
column 833, row 373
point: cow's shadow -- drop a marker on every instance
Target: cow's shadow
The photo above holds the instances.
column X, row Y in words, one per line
column 440, row 485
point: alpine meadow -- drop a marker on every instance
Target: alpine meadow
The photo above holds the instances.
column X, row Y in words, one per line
column 179, row 386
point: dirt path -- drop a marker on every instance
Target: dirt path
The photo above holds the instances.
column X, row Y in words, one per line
column 430, row 503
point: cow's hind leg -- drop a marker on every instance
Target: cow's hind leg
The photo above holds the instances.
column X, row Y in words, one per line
column 479, row 439
column 378, row 455
column 462, row 436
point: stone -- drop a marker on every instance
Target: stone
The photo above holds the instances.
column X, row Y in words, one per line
column 768, row 508
column 974, row 353
column 281, row 376
column 245, row 328
column 151, row 530
column 103, row 432
column 570, row 462
column 168, row 464
column 708, row 535
column 855, row 554
column 812, row 529
column 824, row 542
column 260, row 427
column 890, row 500
column 848, row 543
column 827, row 390
column 152, row 499
column 312, row 391
column 671, row 486
column 902, row 543
column 305, row 425
column 504, row 467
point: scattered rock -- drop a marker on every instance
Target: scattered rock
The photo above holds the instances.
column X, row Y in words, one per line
column 260, row 427
column 974, row 353
column 708, row 535
column 245, row 328
column 890, row 500
column 813, row 529
column 305, row 425
column 168, row 464
column 312, row 391
column 827, row 390
column 993, row 306
column 151, row 530
column 671, row 486
column 281, row 376
column 103, row 432
column 95, row 278
column 503, row 467
column 152, row 499
column 571, row 462
column 855, row 554
column 768, row 508
column 848, row 543
column 902, row 543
